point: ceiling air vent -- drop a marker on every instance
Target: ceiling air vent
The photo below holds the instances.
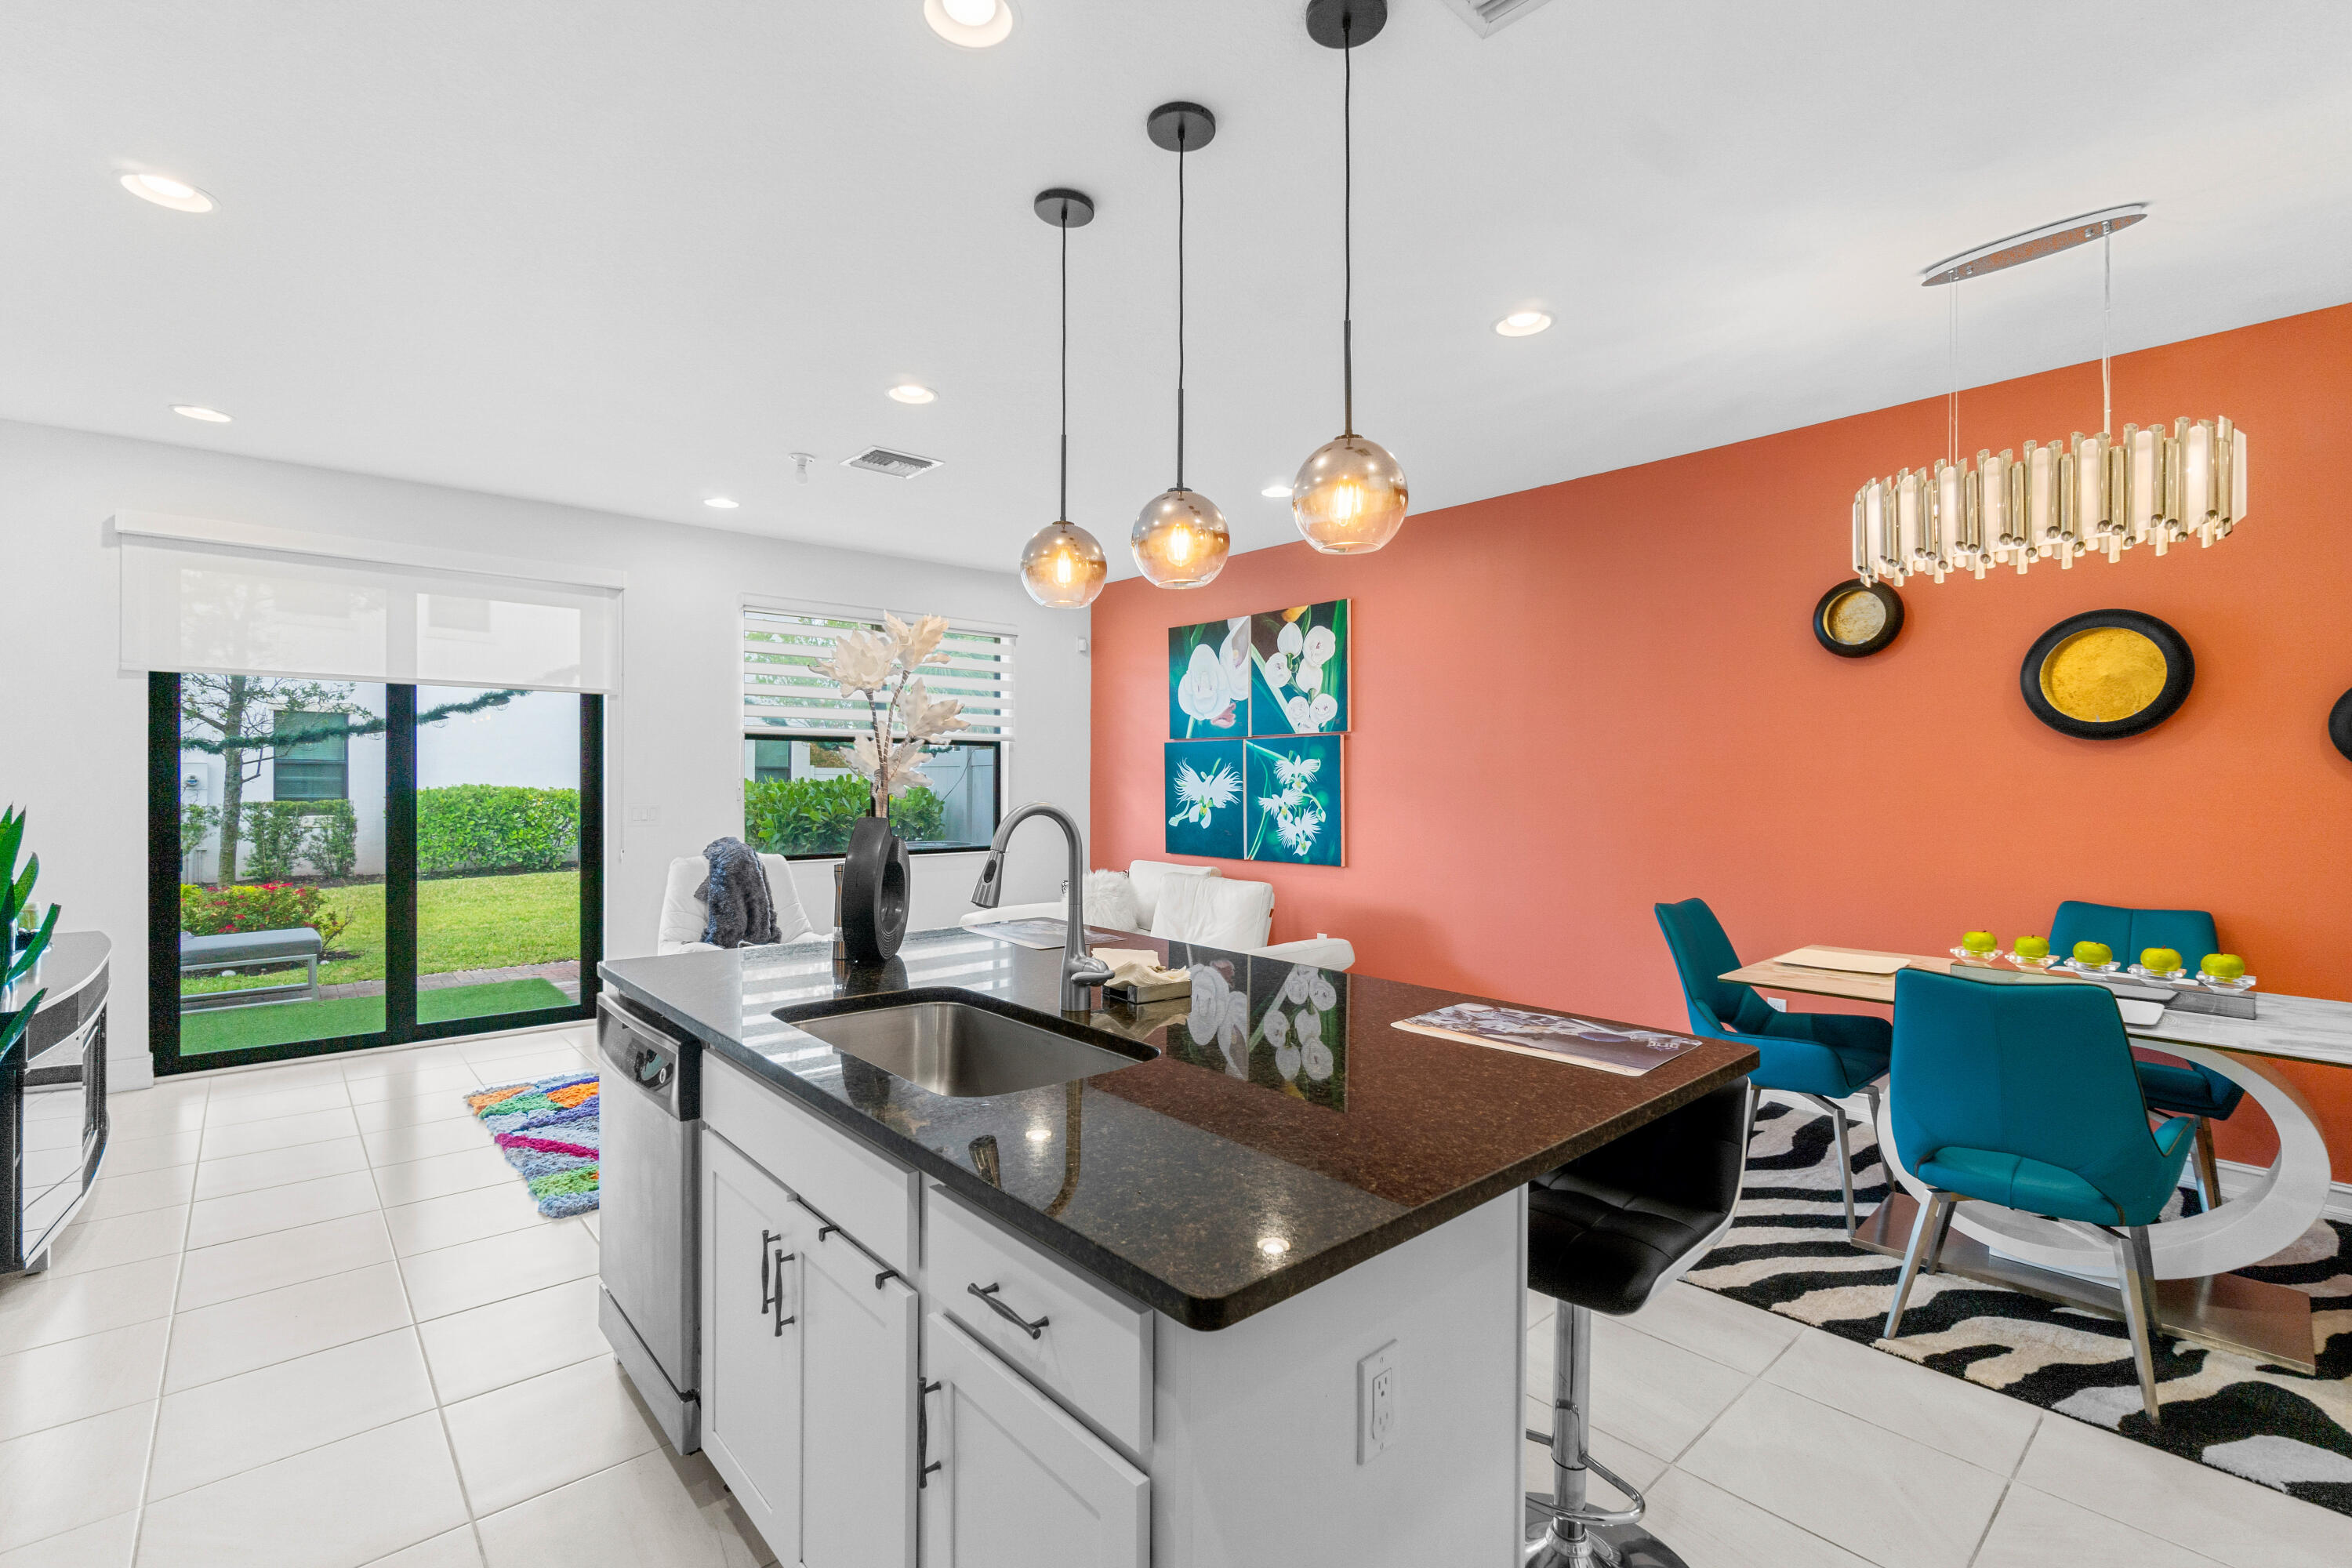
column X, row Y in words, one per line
column 1485, row 15
column 898, row 465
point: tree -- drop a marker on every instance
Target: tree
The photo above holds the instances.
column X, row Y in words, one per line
column 235, row 717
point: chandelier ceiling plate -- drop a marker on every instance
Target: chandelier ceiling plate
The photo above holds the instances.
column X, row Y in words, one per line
column 1343, row 23
column 1198, row 125
column 2034, row 243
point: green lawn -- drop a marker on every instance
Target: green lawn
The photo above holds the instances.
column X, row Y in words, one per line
column 287, row 1023
column 462, row 922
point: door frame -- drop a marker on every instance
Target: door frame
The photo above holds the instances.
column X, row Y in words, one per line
column 401, row 1025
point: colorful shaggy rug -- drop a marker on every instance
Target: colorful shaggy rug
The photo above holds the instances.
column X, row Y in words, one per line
column 1787, row 1253
column 548, row 1130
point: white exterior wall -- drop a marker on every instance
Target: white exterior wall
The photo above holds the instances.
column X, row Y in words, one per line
column 73, row 729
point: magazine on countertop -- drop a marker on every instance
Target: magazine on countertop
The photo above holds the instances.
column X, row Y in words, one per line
column 1628, row 1052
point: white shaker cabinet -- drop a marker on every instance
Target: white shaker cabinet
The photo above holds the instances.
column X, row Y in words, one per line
column 1019, row 1483
column 859, row 1319
column 753, row 1241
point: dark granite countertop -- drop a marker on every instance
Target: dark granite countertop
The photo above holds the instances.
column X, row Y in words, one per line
column 1287, row 1132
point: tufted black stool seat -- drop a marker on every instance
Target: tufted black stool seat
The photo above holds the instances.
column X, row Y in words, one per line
column 1604, row 1233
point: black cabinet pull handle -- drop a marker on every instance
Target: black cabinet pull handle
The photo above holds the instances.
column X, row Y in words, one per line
column 923, row 1391
column 768, row 1293
column 988, row 1295
column 886, row 1275
column 825, row 1230
column 777, row 1332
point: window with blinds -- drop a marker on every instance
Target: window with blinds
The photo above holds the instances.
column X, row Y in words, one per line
column 800, row 794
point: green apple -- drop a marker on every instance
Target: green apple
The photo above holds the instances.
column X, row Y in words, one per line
column 2159, row 960
column 1979, row 941
column 2033, row 947
column 2094, row 953
column 2224, row 967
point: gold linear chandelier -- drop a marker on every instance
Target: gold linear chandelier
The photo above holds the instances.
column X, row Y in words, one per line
column 2098, row 494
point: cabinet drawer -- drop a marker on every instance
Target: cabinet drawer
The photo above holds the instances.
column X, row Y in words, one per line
column 871, row 1197
column 1093, row 1348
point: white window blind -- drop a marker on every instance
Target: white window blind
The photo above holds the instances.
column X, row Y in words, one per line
column 218, row 598
column 782, row 694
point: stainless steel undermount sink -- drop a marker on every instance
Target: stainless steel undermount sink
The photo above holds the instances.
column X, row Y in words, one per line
column 955, row 1044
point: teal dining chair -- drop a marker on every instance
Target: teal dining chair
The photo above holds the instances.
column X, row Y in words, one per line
column 2021, row 1092
column 1822, row 1056
column 2181, row 1088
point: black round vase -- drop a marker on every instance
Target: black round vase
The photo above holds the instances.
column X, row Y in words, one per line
column 875, row 877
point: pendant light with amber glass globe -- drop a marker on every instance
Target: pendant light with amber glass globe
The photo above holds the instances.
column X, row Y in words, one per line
column 1180, row 538
column 1062, row 566
column 1350, row 496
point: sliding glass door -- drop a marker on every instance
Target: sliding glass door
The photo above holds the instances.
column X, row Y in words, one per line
column 335, row 866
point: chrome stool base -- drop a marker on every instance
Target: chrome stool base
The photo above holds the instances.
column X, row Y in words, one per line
column 1605, row 1545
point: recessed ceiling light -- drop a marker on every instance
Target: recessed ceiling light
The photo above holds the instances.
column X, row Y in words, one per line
column 1523, row 323
column 970, row 23
column 912, row 392
column 723, row 503
column 1277, row 490
column 167, row 192
column 199, row 411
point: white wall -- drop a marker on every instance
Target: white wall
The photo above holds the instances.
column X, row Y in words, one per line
column 73, row 729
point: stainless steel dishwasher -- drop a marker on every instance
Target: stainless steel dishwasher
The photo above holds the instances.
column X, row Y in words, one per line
column 649, row 1224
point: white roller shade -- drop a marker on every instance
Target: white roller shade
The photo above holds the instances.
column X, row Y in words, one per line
column 782, row 696
column 223, row 599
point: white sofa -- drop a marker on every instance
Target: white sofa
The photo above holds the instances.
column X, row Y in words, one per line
column 684, row 915
column 1187, row 903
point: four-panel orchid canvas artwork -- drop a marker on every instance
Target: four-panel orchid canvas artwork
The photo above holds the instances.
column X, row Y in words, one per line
column 1258, row 710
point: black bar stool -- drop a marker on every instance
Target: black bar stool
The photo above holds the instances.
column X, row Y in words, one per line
column 1604, row 1233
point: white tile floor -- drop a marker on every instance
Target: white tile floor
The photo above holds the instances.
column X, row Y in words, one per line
column 309, row 1318
column 1763, row 1443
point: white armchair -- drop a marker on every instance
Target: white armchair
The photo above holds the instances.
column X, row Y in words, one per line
column 683, row 914
column 1191, row 903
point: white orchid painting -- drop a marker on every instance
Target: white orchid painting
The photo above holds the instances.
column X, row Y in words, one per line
column 1209, row 679
column 1300, row 663
column 1291, row 800
column 1204, row 798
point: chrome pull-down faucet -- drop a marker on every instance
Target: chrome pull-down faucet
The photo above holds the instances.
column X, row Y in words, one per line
column 1081, row 969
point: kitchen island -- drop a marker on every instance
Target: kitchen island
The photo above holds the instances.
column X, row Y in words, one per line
column 1253, row 1294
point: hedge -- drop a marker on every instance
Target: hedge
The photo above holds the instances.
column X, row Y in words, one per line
column 496, row 827
column 813, row 817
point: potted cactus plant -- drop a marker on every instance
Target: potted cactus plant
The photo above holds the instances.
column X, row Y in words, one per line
column 23, row 938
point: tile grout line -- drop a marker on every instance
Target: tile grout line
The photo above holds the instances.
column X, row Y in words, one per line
column 164, row 1372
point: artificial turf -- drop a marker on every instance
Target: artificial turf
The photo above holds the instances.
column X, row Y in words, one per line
column 287, row 1023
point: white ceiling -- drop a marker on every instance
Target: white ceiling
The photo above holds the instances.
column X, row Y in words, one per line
column 629, row 255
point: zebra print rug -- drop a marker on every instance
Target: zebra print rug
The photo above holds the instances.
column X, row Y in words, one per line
column 1787, row 1253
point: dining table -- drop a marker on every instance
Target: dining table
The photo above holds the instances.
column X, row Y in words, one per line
column 2199, row 1295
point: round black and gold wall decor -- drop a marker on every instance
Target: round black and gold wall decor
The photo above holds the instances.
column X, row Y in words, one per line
column 2106, row 674
column 2339, row 724
column 1855, row 619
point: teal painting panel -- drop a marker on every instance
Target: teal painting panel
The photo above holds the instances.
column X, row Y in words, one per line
column 1209, row 665
column 1300, row 669
column 1203, row 795
column 1295, row 788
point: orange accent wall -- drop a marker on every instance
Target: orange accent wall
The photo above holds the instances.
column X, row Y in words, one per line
column 1573, row 702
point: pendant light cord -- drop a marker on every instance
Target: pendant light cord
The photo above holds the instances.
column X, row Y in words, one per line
column 1348, row 222
column 1063, row 512
column 1179, row 304
column 1952, row 363
column 2106, row 308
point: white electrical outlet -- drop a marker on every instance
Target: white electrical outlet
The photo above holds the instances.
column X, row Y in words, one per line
column 1376, row 1402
